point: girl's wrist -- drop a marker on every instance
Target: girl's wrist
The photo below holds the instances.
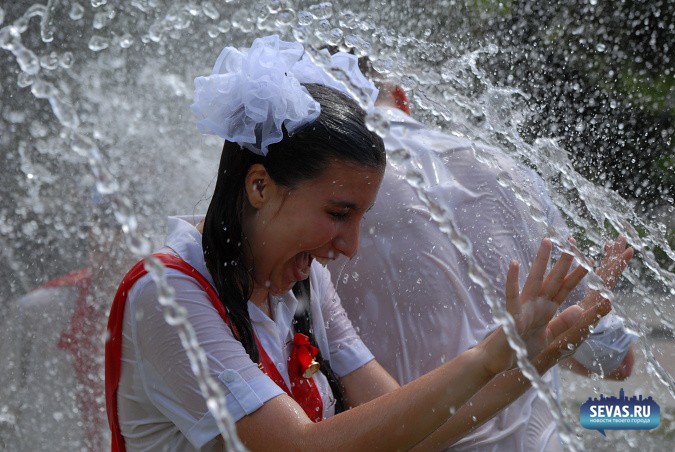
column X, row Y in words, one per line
column 494, row 354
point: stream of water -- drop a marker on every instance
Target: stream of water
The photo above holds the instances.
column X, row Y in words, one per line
column 99, row 146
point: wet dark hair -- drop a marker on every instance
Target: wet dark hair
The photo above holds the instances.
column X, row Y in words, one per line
column 338, row 134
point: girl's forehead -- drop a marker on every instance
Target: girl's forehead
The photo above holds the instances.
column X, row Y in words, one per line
column 347, row 174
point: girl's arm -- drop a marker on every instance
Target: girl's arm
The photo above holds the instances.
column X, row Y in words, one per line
column 405, row 416
column 573, row 327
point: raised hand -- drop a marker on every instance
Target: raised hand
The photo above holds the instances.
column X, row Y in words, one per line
column 533, row 308
column 572, row 326
column 613, row 263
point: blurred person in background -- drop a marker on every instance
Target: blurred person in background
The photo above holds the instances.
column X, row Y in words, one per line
column 51, row 348
column 409, row 292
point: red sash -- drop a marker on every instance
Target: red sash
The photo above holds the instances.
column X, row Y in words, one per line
column 304, row 389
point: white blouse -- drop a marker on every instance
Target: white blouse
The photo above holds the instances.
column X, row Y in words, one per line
column 414, row 303
column 159, row 401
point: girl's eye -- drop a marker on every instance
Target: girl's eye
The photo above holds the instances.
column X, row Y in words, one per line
column 338, row 215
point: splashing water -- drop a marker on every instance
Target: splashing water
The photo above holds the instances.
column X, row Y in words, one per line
column 98, row 136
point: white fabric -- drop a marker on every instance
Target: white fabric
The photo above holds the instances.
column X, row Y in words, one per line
column 253, row 94
column 606, row 347
column 408, row 291
column 160, row 405
column 339, row 71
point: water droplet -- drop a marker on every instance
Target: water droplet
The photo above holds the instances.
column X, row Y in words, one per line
column 50, row 61
column 43, row 90
column 285, row 17
column 126, row 40
column 97, row 3
column 76, row 11
column 274, row 5
column 334, row 37
column 323, row 10
column 600, row 47
column 98, row 43
column 408, row 82
column 103, row 18
column 28, row 61
column 38, row 129
column 305, row 18
column 212, row 31
column 377, row 123
column 138, row 245
column 348, row 19
column 23, row 79
column 415, row 179
column 224, row 26
column 361, row 47
column 210, row 10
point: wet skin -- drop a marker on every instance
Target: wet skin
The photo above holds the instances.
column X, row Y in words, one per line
column 289, row 227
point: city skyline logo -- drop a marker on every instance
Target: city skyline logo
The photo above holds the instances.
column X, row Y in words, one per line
column 622, row 413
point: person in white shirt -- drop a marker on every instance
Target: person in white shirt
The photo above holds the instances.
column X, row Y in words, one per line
column 298, row 171
column 409, row 292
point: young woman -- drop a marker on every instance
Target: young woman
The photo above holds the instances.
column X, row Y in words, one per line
column 298, row 171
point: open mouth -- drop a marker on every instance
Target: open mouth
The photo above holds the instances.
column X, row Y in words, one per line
column 303, row 262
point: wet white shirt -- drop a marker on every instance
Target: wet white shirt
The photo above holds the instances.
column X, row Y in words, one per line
column 408, row 291
column 160, row 404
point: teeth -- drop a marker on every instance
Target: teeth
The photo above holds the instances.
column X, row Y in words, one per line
column 322, row 260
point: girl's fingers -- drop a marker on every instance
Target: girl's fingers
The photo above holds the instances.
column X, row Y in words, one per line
column 571, row 281
column 614, row 262
column 566, row 342
column 534, row 279
column 512, row 289
column 611, row 267
column 556, row 276
column 564, row 321
column 611, row 270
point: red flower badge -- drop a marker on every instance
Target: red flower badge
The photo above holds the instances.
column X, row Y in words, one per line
column 303, row 355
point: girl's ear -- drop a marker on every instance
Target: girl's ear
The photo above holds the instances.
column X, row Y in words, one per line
column 259, row 185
